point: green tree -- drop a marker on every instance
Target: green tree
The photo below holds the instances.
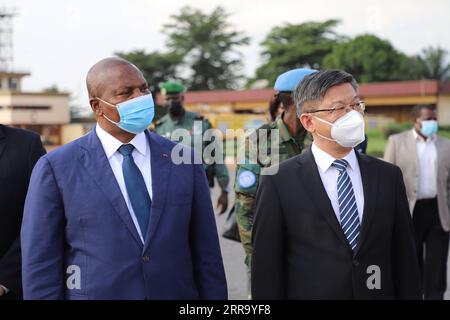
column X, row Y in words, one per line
column 52, row 89
column 370, row 59
column 208, row 47
column 434, row 64
column 157, row 67
column 296, row 45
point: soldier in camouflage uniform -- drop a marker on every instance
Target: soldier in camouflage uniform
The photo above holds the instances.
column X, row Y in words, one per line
column 293, row 139
column 178, row 118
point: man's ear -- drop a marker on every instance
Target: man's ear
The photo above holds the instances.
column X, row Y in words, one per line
column 95, row 106
column 307, row 123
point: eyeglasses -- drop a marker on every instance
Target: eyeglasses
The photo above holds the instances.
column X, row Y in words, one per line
column 359, row 106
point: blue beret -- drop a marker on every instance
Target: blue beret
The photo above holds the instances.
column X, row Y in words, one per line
column 288, row 81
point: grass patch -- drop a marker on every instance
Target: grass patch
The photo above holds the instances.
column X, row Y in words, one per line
column 376, row 143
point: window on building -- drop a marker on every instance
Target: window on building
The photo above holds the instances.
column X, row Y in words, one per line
column 12, row 83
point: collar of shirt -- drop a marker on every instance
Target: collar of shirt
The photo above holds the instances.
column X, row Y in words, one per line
column 111, row 144
column 284, row 132
column 419, row 138
column 285, row 136
column 324, row 160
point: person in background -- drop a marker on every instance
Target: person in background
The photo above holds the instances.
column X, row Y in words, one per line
column 19, row 152
column 293, row 139
column 424, row 158
column 276, row 108
column 178, row 117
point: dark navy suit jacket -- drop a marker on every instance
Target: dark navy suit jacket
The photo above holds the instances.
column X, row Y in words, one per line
column 79, row 241
column 19, row 152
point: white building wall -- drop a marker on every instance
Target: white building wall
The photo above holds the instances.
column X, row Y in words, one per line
column 5, row 113
column 58, row 113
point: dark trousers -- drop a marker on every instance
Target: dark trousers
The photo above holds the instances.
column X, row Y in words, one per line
column 432, row 248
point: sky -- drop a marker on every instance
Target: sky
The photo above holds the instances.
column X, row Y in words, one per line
column 58, row 41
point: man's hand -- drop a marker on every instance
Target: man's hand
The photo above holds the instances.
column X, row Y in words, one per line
column 2, row 291
column 222, row 202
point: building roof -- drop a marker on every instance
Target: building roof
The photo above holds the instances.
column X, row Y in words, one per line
column 381, row 89
column 37, row 93
column 228, row 96
column 400, row 88
column 14, row 74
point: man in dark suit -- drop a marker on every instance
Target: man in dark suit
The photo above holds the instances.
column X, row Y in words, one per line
column 19, row 151
column 111, row 216
column 333, row 223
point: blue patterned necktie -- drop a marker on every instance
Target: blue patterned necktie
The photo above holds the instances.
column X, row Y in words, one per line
column 136, row 188
column 348, row 210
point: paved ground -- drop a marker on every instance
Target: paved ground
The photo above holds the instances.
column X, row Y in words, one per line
column 232, row 253
column 233, row 256
column 447, row 294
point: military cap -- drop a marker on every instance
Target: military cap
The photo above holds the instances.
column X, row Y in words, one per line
column 171, row 87
column 288, row 81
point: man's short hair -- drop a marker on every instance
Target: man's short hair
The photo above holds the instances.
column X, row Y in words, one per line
column 416, row 111
column 314, row 87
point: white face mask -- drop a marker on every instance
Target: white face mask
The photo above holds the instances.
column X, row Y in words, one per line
column 347, row 131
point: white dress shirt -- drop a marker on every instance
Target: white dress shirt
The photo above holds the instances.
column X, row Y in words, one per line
column 329, row 176
column 427, row 161
column 141, row 156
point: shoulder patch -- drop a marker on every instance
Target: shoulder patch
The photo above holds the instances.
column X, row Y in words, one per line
column 246, row 179
column 268, row 126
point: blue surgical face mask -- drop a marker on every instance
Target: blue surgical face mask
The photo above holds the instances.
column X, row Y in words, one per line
column 429, row 128
column 135, row 114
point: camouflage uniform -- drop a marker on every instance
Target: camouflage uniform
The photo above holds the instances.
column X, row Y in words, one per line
column 165, row 126
column 247, row 176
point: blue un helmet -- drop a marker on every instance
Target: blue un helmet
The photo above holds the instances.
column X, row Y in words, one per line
column 286, row 82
